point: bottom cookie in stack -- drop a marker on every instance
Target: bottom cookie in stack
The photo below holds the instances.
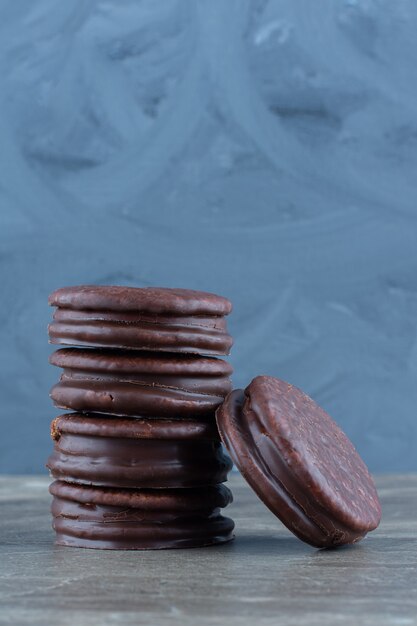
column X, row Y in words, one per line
column 128, row 519
column 138, row 483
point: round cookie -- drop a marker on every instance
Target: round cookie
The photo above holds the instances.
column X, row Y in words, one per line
column 137, row 453
column 135, row 384
column 299, row 462
column 170, row 320
column 117, row 519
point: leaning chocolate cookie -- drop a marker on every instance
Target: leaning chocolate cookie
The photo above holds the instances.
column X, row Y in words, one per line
column 299, row 462
column 123, row 382
column 170, row 320
column 125, row 519
column 141, row 453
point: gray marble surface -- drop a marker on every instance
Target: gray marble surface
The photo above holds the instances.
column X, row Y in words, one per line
column 265, row 577
column 261, row 149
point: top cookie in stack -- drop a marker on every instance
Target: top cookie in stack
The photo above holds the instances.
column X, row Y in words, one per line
column 166, row 320
column 146, row 351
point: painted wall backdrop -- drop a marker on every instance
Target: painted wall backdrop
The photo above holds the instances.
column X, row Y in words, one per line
column 266, row 151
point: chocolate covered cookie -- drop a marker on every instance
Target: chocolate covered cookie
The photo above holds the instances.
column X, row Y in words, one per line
column 170, row 320
column 130, row 383
column 141, row 453
column 122, row 519
column 299, row 462
column 139, row 464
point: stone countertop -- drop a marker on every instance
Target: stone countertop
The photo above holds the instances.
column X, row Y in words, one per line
column 265, row 576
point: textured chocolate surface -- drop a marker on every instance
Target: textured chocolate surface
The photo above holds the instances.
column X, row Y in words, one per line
column 140, row 453
column 299, row 462
column 93, row 517
column 167, row 320
column 202, row 500
column 102, row 425
column 140, row 299
column 130, row 383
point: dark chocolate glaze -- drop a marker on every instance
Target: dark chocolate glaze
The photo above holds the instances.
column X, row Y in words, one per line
column 141, row 319
column 128, row 399
column 126, row 383
column 157, row 300
column 92, row 453
column 139, row 332
column 102, row 425
column 130, row 364
column 299, row 463
column 112, row 519
column 198, row 500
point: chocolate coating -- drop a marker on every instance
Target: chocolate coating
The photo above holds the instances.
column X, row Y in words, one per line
column 299, row 462
column 158, row 300
column 130, row 383
column 94, row 517
column 169, row 320
column 140, row 453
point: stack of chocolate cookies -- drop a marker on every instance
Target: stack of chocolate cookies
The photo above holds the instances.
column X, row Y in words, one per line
column 138, row 463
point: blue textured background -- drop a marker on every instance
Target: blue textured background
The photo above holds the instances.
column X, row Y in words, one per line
column 266, row 151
